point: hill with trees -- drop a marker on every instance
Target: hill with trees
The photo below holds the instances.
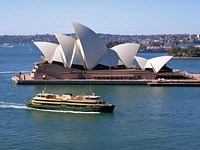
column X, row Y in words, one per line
column 190, row 51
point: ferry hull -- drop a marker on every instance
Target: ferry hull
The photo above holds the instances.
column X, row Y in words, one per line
column 65, row 107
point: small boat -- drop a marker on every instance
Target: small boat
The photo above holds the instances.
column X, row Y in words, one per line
column 88, row 103
column 7, row 45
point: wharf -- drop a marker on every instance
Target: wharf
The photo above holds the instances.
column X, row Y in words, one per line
column 184, row 82
column 84, row 82
column 149, row 82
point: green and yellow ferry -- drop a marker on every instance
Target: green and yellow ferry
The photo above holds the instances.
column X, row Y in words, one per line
column 84, row 103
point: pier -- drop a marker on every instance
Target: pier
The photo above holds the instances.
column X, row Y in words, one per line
column 26, row 79
column 184, row 82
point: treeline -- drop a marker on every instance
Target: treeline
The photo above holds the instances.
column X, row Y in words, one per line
column 114, row 43
column 190, row 51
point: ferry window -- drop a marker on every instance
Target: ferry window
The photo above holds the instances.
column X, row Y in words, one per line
column 51, row 96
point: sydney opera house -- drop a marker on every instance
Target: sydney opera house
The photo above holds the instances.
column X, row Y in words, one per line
column 87, row 58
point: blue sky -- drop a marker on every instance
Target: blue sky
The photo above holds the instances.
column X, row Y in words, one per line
column 29, row 17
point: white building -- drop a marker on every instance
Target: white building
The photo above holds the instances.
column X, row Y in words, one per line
column 87, row 50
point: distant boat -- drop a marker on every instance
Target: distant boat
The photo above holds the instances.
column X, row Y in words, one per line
column 89, row 103
column 7, row 45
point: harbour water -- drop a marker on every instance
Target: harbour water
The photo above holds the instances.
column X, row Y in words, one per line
column 144, row 117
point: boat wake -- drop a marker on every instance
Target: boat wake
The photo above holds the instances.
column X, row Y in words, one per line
column 12, row 105
column 65, row 111
column 22, row 106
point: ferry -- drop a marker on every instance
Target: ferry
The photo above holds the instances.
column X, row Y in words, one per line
column 84, row 103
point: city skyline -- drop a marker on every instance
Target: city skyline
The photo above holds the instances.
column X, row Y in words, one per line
column 142, row 17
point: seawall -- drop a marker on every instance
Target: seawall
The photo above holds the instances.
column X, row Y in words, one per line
column 149, row 82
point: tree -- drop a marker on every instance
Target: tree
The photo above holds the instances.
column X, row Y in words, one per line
column 190, row 51
column 174, row 50
column 113, row 43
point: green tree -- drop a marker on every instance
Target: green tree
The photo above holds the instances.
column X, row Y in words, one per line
column 174, row 51
column 113, row 43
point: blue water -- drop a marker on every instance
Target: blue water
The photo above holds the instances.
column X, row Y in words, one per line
column 144, row 118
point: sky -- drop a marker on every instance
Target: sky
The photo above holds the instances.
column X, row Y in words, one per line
column 126, row 17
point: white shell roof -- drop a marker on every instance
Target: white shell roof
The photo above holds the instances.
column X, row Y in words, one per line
column 76, row 56
column 87, row 50
column 67, row 45
column 92, row 46
column 41, row 60
column 126, row 52
column 141, row 61
column 155, row 63
column 110, row 58
column 48, row 49
column 159, row 62
column 148, row 64
column 58, row 55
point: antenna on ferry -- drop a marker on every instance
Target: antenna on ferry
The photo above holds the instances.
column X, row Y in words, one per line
column 45, row 89
column 90, row 90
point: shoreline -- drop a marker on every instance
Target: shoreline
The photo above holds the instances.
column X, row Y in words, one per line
column 185, row 57
column 144, row 82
